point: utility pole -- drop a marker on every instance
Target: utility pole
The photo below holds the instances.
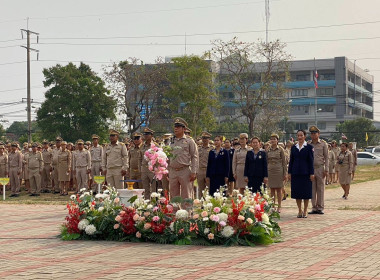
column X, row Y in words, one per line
column 28, row 94
column 267, row 15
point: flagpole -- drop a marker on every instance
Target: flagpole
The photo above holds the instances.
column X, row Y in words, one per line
column 315, row 94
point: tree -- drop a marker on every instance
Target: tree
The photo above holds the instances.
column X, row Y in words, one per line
column 355, row 131
column 138, row 87
column 77, row 104
column 2, row 130
column 19, row 130
column 191, row 94
column 255, row 73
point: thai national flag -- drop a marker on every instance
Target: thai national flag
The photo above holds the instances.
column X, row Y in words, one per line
column 315, row 78
column 344, row 136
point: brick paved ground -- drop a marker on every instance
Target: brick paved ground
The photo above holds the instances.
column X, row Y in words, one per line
column 342, row 244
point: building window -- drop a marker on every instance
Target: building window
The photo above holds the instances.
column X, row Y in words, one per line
column 325, row 91
column 301, row 126
column 299, row 92
column 304, row 77
column 327, row 76
column 326, row 108
column 322, row 125
column 228, row 95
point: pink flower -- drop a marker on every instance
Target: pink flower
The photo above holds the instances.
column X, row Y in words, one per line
column 142, row 219
column 118, row 218
column 210, row 236
column 156, row 219
column 214, row 218
column 162, row 200
column 136, row 217
column 196, row 216
column 129, row 207
column 122, row 212
column 155, row 208
column 241, row 218
column 196, row 201
column 217, row 210
column 250, row 221
column 146, row 214
column 222, row 223
column 116, row 200
column 204, row 214
column 180, row 231
column 258, row 207
column 266, row 203
column 138, row 234
column 169, row 208
column 116, row 226
column 147, row 226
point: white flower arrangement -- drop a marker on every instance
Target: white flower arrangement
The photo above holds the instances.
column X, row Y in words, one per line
column 182, row 214
column 265, row 219
column 227, row 231
column 207, row 230
column 90, row 229
column 154, row 194
column 101, row 209
column 222, row 217
column 83, row 224
column 73, row 197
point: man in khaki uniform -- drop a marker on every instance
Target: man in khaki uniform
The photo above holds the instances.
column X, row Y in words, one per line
column 25, row 175
column 47, row 157
column 15, row 169
column 35, row 167
column 203, row 152
column 184, row 164
column 3, row 164
column 96, row 159
column 54, row 173
column 115, row 161
column 146, row 175
column 321, row 170
column 82, row 165
column 133, row 156
column 336, row 149
column 165, row 179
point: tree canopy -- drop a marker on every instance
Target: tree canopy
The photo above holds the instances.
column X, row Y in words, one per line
column 77, row 103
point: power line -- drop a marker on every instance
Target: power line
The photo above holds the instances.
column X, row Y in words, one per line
column 17, row 89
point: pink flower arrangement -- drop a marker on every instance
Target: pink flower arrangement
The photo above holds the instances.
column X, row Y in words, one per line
column 156, row 219
column 217, row 210
column 157, row 161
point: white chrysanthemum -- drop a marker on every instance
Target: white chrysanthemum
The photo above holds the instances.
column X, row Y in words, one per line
column 154, row 194
column 150, row 206
column 266, row 197
column 171, row 226
column 101, row 209
column 99, row 195
column 86, row 193
column 83, row 224
column 182, row 214
column 90, row 229
column 223, row 217
column 227, row 231
column 72, row 197
column 265, row 219
column 207, row 230
column 82, row 189
column 217, row 195
column 209, row 205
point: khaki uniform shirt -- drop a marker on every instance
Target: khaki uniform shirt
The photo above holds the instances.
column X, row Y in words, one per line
column 47, row 156
column 276, row 159
column 354, row 156
column 321, row 154
column 4, row 162
column 336, row 151
column 55, row 153
column 35, row 161
column 133, row 157
column 82, row 159
column 96, row 153
column 64, row 157
column 239, row 158
column 15, row 160
column 203, row 156
column 185, row 153
column 115, row 156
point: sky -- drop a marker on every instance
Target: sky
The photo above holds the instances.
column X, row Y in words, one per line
column 101, row 32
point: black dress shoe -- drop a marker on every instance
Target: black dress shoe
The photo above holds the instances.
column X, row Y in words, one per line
column 320, row 212
column 313, row 212
column 32, row 194
column 36, row 194
column 12, row 195
column 16, row 195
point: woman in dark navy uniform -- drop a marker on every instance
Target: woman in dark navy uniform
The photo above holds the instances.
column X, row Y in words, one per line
column 256, row 168
column 301, row 172
column 218, row 166
column 231, row 179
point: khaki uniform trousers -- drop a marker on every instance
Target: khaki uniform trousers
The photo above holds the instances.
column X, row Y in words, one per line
column 114, row 178
column 179, row 183
column 54, row 178
column 147, row 182
column 201, row 179
column 82, row 177
column 318, row 189
column 45, row 178
column 14, row 180
column 35, row 180
column 95, row 171
column 134, row 174
column 165, row 183
column 2, row 170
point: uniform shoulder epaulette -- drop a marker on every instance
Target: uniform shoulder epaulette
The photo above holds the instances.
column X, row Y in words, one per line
column 309, row 142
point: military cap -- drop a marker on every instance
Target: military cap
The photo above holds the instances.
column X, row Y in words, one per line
column 1, row 143
column 88, row 142
column 39, row 146
column 35, row 144
column 70, row 143
column 94, row 136
column 25, row 144
column 180, row 122
column 45, row 141
column 148, row 131
column 52, row 143
column 114, row 132
column 2, row 147
column 313, row 128
column 205, row 134
column 167, row 136
column 80, row 141
column 58, row 139
column 137, row 134
column 188, row 130
column 275, row 135
column 64, row 143
column 14, row 144
column 243, row 135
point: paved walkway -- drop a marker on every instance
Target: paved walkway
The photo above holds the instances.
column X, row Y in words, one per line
column 342, row 244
